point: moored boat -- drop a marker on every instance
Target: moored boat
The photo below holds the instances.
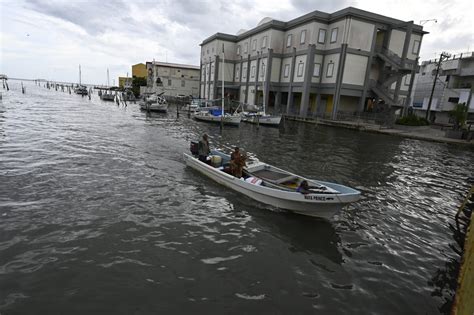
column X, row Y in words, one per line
column 261, row 118
column 154, row 103
column 276, row 187
column 213, row 115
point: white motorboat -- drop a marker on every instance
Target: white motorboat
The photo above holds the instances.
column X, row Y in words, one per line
column 154, row 103
column 261, row 118
column 276, row 187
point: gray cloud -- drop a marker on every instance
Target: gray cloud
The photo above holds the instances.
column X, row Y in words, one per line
column 324, row 6
column 94, row 16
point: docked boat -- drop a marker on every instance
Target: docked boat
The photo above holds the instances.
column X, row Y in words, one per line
column 107, row 95
column 154, row 103
column 214, row 115
column 276, row 187
column 261, row 118
column 81, row 89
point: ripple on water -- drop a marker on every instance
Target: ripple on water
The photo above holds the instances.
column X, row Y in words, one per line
column 96, row 195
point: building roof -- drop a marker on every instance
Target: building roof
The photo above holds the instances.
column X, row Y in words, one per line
column 173, row 65
column 320, row 17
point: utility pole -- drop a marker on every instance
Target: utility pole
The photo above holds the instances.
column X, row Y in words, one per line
column 444, row 55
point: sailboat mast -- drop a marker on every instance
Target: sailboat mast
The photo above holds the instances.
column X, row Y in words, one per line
column 79, row 74
column 263, row 87
column 223, row 65
column 107, row 77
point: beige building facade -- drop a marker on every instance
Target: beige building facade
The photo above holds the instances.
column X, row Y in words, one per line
column 172, row 79
column 318, row 64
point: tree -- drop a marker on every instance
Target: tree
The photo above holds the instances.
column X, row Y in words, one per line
column 136, row 83
column 459, row 114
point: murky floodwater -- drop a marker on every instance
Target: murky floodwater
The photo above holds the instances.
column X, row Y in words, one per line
column 98, row 214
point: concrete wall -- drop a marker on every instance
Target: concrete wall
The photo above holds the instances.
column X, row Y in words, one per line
column 277, row 41
column 275, row 75
column 228, row 72
column 354, row 70
column 410, row 54
column 340, row 35
column 296, row 35
column 397, row 39
column 318, row 59
column 360, row 35
column 348, row 103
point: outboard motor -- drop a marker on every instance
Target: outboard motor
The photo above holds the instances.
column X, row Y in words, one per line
column 194, row 147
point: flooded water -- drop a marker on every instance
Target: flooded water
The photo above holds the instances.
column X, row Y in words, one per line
column 99, row 214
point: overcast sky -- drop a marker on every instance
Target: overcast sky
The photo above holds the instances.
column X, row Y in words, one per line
column 49, row 39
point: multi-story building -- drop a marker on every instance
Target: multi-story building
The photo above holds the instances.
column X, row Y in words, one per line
column 139, row 70
column 317, row 64
column 172, row 79
column 454, row 85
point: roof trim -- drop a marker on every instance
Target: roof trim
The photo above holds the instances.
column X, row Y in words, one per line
column 318, row 16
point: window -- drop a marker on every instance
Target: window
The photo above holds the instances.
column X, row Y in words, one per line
column 407, row 80
column 169, row 82
column 303, row 37
column 208, row 51
column 300, row 69
column 212, row 49
column 254, row 44
column 317, row 70
column 262, row 70
column 334, row 35
column 286, row 71
column 252, row 72
column 416, row 47
column 288, row 40
column 183, row 83
column 237, row 72
column 246, row 48
column 264, row 41
column 330, row 70
column 322, row 36
column 453, row 100
column 244, row 73
column 238, row 50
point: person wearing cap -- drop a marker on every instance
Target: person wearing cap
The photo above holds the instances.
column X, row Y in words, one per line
column 203, row 149
column 237, row 162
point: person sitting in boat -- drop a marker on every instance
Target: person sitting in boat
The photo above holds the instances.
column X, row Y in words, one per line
column 304, row 188
column 237, row 163
column 203, row 149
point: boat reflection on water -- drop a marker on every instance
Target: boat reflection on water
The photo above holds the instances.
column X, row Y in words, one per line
column 302, row 234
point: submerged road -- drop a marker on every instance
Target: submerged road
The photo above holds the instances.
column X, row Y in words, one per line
column 99, row 214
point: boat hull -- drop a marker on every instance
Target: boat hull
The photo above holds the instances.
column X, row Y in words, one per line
column 263, row 120
column 314, row 205
column 160, row 108
column 233, row 120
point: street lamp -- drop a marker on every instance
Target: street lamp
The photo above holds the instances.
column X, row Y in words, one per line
column 423, row 22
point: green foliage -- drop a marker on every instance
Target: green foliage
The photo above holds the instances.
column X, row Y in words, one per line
column 412, row 120
column 136, row 83
column 459, row 114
